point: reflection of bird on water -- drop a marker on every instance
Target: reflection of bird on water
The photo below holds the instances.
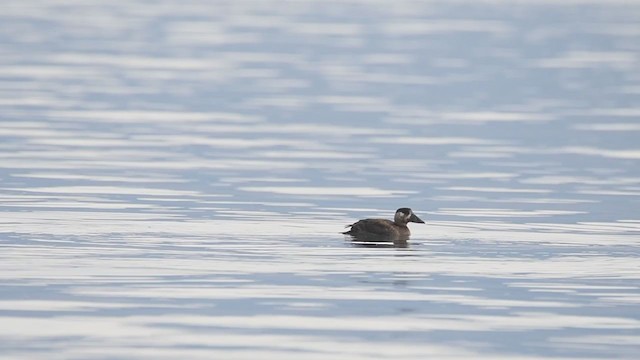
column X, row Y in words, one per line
column 384, row 230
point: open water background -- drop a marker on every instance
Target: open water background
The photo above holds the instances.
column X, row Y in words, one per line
column 174, row 176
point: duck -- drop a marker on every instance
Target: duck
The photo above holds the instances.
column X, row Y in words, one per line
column 383, row 229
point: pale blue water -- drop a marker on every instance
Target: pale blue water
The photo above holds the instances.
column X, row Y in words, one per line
column 174, row 177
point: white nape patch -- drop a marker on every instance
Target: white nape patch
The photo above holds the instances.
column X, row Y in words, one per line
column 399, row 217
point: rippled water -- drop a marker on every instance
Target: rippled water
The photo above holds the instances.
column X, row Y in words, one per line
column 174, row 177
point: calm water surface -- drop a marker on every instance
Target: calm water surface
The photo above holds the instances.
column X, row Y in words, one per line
column 174, row 177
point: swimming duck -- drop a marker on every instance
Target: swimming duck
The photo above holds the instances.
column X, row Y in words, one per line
column 382, row 229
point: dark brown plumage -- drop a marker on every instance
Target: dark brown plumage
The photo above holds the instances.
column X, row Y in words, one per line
column 384, row 230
